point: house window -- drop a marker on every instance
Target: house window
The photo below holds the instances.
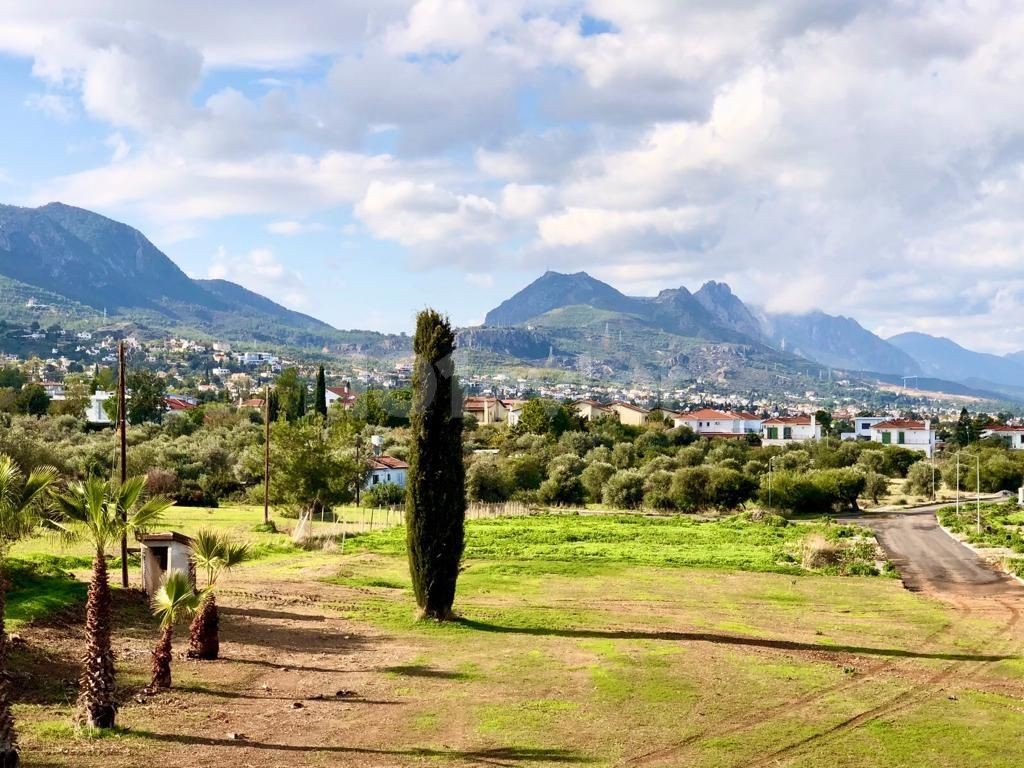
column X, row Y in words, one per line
column 865, row 425
column 886, row 438
column 787, row 433
column 773, row 433
column 901, row 438
column 376, row 479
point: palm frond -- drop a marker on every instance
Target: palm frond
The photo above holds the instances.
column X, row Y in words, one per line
column 175, row 600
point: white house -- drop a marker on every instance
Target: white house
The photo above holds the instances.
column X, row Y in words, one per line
column 95, row 413
column 711, row 423
column 862, row 427
column 783, row 430
column 906, row 433
column 1012, row 436
column 386, row 469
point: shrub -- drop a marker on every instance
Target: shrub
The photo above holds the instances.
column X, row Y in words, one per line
column 876, row 485
column 485, row 482
column 593, row 478
column 383, row 495
column 658, row 490
column 792, row 493
column 691, row 488
column 919, row 479
column 624, row 490
column 730, row 488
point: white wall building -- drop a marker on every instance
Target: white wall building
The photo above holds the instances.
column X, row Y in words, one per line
column 386, row 469
column 711, row 423
column 784, row 430
column 906, row 433
column 862, row 427
column 1012, row 436
column 95, row 413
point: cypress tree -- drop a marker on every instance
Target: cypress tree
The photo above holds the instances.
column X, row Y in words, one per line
column 435, row 493
column 320, row 403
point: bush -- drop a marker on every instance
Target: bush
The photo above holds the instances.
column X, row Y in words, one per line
column 593, row 478
column 919, row 479
column 383, row 495
column 691, row 488
column 658, row 490
column 485, row 482
column 563, row 486
column 840, row 487
column 792, row 493
column 730, row 488
column 876, row 485
column 624, row 490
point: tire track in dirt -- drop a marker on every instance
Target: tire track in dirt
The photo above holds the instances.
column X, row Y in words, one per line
column 872, row 672
column 918, row 694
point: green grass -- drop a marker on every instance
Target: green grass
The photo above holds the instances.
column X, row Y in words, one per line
column 39, row 588
column 575, row 544
column 1000, row 524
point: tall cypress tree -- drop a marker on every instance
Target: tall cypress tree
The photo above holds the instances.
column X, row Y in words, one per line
column 320, row 403
column 435, row 493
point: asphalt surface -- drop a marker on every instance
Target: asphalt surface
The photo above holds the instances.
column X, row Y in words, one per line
column 930, row 560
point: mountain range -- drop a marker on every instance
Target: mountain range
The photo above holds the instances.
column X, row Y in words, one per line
column 715, row 313
column 67, row 264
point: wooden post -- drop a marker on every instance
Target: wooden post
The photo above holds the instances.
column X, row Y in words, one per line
column 266, row 455
column 371, row 519
column 122, row 417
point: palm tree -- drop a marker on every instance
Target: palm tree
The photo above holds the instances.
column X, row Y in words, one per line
column 100, row 512
column 22, row 500
column 214, row 553
column 175, row 600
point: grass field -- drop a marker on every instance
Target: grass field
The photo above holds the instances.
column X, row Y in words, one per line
column 583, row 640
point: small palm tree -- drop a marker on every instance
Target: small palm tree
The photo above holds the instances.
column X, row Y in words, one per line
column 100, row 512
column 174, row 601
column 22, row 500
column 214, row 553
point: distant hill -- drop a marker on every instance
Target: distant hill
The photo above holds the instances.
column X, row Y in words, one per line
column 567, row 304
column 554, row 290
column 838, row 342
column 80, row 264
column 945, row 359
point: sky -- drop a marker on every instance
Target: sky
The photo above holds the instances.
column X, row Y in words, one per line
column 360, row 160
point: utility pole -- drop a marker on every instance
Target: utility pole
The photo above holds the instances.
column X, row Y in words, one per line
column 266, row 455
column 122, row 417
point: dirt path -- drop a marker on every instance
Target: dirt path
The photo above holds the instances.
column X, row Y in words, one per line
column 930, row 560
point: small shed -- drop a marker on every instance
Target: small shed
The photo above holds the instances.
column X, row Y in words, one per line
column 163, row 552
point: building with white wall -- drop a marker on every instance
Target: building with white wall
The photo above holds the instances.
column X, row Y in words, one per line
column 906, row 433
column 784, row 430
column 709, row 422
column 1012, row 436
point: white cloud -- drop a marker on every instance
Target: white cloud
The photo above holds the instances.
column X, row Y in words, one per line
column 292, row 227
column 260, row 270
column 422, row 213
column 863, row 156
column 55, row 105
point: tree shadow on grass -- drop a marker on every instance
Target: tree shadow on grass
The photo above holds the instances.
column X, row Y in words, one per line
column 422, row 670
column 223, row 694
column 720, row 639
column 263, row 613
column 497, row 755
column 279, row 666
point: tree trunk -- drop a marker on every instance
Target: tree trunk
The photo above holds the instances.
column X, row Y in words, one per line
column 8, row 738
column 162, row 659
column 96, row 687
column 204, row 634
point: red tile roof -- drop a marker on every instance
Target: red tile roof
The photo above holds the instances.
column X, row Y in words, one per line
column 899, row 424
column 177, row 404
column 1003, row 428
column 387, row 462
column 788, row 420
column 710, row 414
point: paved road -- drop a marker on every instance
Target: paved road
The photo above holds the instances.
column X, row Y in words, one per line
column 930, row 560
